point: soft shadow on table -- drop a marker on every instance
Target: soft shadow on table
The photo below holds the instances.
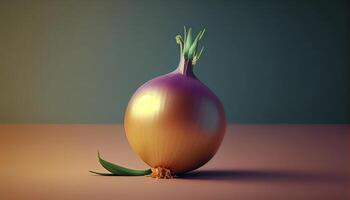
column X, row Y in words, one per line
column 263, row 176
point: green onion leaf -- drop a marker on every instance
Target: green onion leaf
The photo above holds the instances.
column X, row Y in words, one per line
column 189, row 47
column 188, row 43
column 117, row 170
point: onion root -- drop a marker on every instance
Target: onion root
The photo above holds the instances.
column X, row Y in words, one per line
column 161, row 173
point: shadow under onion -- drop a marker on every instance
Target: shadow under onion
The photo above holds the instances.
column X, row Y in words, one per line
column 264, row 176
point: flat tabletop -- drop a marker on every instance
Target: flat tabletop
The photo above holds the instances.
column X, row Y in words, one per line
column 253, row 162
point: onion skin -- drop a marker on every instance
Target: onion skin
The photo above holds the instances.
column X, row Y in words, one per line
column 175, row 121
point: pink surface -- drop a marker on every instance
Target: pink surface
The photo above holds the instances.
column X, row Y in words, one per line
column 254, row 162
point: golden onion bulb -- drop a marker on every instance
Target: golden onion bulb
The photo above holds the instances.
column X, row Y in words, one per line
column 174, row 121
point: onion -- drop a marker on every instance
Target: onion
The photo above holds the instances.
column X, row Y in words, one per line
column 174, row 122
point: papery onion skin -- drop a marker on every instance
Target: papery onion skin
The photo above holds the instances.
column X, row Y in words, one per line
column 175, row 121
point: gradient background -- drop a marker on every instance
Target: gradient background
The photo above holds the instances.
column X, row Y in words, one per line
column 80, row 61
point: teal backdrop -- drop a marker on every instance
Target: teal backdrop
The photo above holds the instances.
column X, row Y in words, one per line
column 80, row 61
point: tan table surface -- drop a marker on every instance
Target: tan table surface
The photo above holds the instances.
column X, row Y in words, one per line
column 254, row 162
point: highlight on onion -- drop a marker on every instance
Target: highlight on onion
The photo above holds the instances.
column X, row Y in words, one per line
column 174, row 122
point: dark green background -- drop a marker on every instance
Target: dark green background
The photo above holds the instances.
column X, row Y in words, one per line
column 80, row 61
